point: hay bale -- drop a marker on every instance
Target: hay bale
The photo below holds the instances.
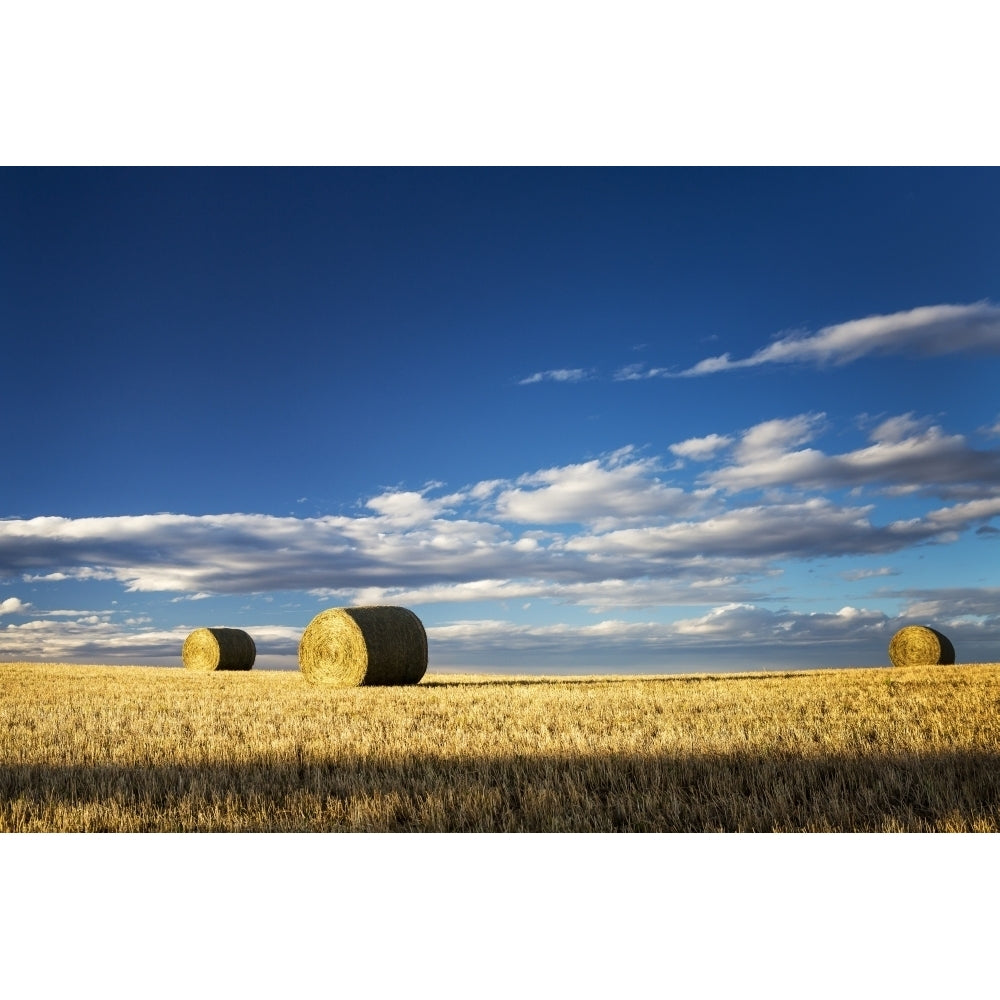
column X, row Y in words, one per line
column 348, row 647
column 218, row 649
column 919, row 645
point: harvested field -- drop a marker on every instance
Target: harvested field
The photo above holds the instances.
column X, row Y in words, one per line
column 92, row 748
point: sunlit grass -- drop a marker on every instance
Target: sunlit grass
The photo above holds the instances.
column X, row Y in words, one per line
column 157, row 749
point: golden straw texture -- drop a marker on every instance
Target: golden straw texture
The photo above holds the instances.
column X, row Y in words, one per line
column 348, row 647
column 919, row 645
column 218, row 649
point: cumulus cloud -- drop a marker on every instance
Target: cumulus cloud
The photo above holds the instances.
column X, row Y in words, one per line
column 407, row 507
column 925, row 331
column 557, row 375
column 13, row 606
column 611, row 532
column 237, row 554
column 618, row 488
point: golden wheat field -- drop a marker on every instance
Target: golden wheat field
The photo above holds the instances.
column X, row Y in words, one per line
column 133, row 749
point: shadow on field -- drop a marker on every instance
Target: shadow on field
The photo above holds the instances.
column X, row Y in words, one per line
column 626, row 793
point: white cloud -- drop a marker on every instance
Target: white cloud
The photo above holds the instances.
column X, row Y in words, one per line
column 701, row 448
column 90, row 639
column 774, row 437
column 80, row 573
column 406, row 508
column 907, row 456
column 961, row 516
column 927, row 330
column 612, row 532
column 867, row 574
column 747, row 623
column 557, row 375
column 765, row 531
column 485, row 489
column 639, row 371
column 13, row 606
column 689, row 585
column 949, row 604
column 923, row 331
column 470, row 590
column 603, row 492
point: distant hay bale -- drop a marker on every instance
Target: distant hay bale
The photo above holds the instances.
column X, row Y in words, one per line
column 919, row 645
column 348, row 647
column 218, row 649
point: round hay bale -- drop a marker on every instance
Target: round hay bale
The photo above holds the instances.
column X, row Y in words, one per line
column 218, row 649
column 348, row 647
column 919, row 645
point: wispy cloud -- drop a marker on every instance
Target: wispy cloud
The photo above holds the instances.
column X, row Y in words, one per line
column 853, row 575
column 638, row 371
column 558, row 375
column 925, row 331
column 684, row 588
column 922, row 332
column 906, row 456
column 701, row 448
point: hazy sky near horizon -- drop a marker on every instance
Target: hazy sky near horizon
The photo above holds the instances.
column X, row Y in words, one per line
column 577, row 419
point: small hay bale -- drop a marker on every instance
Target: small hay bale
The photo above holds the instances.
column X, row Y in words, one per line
column 918, row 646
column 218, row 649
column 348, row 647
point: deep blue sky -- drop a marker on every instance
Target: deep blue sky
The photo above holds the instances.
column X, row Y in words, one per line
column 482, row 379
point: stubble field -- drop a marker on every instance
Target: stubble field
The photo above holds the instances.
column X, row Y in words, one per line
column 134, row 749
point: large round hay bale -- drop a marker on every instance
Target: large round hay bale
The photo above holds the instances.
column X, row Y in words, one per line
column 919, row 645
column 218, row 649
column 347, row 647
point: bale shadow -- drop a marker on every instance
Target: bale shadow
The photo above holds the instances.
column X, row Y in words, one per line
column 693, row 793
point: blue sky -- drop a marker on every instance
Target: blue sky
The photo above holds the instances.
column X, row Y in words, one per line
column 577, row 419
